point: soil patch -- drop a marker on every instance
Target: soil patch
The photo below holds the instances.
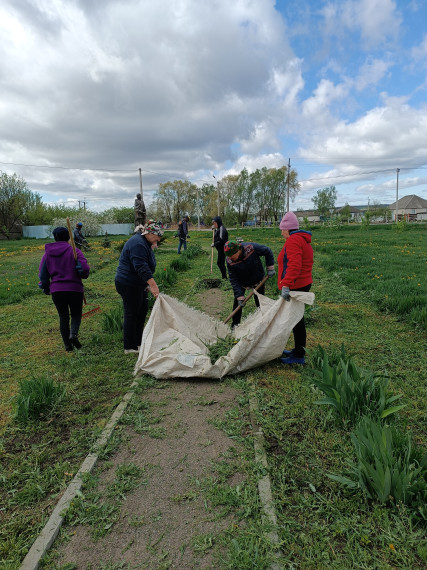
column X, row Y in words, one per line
column 213, row 301
column 167, row 521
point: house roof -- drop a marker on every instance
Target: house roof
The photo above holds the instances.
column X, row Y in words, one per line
column 408, row 202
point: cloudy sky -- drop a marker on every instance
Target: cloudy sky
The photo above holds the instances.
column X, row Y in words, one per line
column 93, row 90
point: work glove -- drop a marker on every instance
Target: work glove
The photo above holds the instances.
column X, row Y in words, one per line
column 271, row 272
column 79, row 268
column 212, row 245
column 285, row 293
column 241, row 302
column 45, row 288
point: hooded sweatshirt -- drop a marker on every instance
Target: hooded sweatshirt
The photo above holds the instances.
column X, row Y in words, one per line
column 58, row 271
column 220, row 235
column 295, row 261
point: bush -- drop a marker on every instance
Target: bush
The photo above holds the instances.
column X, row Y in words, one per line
column 388, row 468
column 37, row 398
column 353, row 392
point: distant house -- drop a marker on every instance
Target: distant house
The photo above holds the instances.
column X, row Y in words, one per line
column 410, row 208
column 311, row 215
column 355, row 213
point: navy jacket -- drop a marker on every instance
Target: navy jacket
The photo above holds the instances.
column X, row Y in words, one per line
column 221, row 235
column 248, row 270
column 137, row 262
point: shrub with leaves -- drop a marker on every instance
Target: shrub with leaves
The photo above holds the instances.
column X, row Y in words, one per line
column 354, row 392
column 388, row 468
column 37, row 398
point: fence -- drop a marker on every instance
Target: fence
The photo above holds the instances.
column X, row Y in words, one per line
column 42, row 232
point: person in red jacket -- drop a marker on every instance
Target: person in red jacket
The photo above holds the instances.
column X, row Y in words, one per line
column 295, row 274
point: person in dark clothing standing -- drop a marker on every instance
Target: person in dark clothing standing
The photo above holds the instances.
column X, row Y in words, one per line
column 295, row 274
column 245, row 270
column 61, row 276
column 220, row 238
column 134, row 276
column 183, row 233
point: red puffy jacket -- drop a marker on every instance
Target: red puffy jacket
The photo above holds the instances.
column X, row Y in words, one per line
column 296, row 261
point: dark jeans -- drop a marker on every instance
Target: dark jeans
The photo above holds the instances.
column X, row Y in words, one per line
column 68, row 303
column 135, row 307
column 221, row 262
column 238, row 316
column 300, row 335
column 182, row 243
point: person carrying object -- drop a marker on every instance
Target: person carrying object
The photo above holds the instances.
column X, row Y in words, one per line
column 61, row 276
column 295, row 263
column 134, row 276
column 220, row 238
column 78, row 236
column 245, row 270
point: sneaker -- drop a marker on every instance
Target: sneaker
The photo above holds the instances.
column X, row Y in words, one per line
column 69, row 347
column 75, row 342
column 293, row 360
column 130, row 350
column 289, row 352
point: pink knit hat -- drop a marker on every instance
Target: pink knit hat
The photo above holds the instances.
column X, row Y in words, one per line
column 289, row 222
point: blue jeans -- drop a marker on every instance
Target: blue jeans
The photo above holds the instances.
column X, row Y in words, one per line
column 135, row 308
column 182, row 243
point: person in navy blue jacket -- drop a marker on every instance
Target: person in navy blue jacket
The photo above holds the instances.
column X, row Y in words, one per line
column 245, row 270
column 61, row 276
column 134, row 276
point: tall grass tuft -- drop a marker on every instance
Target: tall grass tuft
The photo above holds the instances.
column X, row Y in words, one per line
column 353, row 392
column 37, row 399
column 113, row 320
column 388, row 468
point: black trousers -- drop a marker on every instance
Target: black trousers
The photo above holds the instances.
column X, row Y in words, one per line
column 221, row 262
column 135, row 308
column 300, row 334
column 68, row 303
column 238, row 316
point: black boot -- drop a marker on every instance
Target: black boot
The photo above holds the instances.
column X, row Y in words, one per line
column 75, row 342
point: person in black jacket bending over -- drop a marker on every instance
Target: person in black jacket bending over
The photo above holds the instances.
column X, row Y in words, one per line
column 245, row 270
column 134, row 276
column 219, row 240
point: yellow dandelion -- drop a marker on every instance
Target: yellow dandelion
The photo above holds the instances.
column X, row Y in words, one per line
column 392, row 547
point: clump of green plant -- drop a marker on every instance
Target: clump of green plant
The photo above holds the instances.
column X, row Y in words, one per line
column 353, row 392
column 113, row 320
column 221, row 347
column 387, row 468
column 37, row 398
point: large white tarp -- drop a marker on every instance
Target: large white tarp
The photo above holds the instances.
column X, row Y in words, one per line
column 175, row 337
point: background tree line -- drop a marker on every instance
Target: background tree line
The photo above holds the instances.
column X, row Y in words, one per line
column 237, row 198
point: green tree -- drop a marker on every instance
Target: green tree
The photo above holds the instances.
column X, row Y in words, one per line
column 175, row 199
column 15, row 201
column 324, row 201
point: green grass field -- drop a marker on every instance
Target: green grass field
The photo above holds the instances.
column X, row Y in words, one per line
column 370, row 297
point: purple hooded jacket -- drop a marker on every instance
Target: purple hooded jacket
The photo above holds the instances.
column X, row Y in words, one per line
column 59, row 271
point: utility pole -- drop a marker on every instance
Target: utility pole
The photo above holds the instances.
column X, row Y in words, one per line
column 397, row 193
column 217, row 189
column 198, row 208
column 287, row 194
column 140, row 184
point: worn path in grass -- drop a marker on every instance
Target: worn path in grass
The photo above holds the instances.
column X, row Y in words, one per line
column 188, row 475
column 165, row 522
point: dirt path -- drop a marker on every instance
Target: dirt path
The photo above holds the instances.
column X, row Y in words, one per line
column 165, row 522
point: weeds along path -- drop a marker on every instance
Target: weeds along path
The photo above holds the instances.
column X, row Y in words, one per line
column 178, row 492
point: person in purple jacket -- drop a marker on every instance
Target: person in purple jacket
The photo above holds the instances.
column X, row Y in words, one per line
column 61, row 276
